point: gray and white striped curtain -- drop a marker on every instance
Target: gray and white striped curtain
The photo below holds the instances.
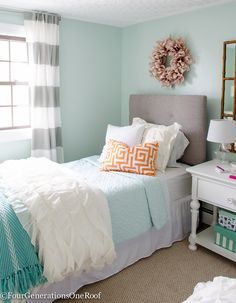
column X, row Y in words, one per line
column 42, row 37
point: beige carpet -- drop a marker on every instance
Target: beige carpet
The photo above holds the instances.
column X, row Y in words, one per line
column 168, row 276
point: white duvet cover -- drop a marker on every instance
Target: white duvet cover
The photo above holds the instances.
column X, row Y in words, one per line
column 71, row 220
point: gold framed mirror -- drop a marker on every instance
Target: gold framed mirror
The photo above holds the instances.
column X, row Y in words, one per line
column 228, row 97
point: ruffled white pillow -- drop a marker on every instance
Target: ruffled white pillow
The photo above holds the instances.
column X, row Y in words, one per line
column 164, row 135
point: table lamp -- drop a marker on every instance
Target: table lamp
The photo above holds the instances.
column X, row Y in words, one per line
column 223, row 132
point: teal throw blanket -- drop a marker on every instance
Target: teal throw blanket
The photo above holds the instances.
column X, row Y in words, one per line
column 20, row 269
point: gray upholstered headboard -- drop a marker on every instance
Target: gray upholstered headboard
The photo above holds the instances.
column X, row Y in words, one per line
column 189, row 111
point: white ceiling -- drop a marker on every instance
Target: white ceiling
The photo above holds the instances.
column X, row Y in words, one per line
column 112, row 12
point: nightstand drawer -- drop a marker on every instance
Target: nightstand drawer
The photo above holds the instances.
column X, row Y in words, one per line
column 222, row 195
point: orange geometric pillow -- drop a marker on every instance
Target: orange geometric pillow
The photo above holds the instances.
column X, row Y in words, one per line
column 138, row 159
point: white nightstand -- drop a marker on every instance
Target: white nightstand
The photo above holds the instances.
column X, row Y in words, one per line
column 216, row 189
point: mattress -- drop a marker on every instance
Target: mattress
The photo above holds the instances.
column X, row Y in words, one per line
column 136, row 202
column 176, row 181
column 136, row 236
column 176, row 184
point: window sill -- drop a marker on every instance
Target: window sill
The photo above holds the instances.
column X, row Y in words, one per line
column 15, row 135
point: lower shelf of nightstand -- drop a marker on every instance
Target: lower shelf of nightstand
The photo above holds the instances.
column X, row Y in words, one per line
column 206, row 238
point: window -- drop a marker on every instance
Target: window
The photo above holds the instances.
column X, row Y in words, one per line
column 14, row 89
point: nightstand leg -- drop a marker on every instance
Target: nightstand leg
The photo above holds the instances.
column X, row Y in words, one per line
column 195, row 212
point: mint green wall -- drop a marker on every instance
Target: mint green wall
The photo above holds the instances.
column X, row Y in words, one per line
column 102, row 65
column 204, row 32
column 14, row 18
column 90, row 71
column 90, row 66
column 14, row 150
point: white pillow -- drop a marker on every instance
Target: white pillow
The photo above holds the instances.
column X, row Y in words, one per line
column 130, row 135
column 181, row 143
column 164, row 135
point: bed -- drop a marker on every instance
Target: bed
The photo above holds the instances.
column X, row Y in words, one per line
column 147, row 213
column 175, row 183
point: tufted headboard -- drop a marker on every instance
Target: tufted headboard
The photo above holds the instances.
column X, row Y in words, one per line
column 189, row 111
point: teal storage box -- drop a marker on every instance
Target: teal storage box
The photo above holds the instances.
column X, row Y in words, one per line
column 227, row 219
column 225, row 238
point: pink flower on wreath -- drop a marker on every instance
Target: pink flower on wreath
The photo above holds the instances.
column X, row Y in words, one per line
column 180, row 61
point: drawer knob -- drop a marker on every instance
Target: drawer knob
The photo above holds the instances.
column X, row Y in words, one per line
column 231, row 201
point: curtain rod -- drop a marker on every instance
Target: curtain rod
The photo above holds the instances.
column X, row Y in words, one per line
column 19, row 11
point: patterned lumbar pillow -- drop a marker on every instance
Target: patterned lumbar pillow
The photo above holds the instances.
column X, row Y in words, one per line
column 138, row 159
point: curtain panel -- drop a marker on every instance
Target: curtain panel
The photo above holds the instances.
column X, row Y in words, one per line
column 42, row 37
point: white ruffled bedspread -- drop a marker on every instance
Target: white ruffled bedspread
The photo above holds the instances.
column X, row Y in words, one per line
column 220, row 290
column 71, row 221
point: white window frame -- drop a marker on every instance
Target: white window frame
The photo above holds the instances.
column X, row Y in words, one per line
column 14, row 134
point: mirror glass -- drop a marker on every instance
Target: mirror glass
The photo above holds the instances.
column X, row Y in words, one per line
column 230, row 60
column 229, row 98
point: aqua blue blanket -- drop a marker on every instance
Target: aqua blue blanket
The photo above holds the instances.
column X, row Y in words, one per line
column 136, row 202
column 20, row 269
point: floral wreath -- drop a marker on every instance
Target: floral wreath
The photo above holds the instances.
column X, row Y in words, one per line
column 180, row 61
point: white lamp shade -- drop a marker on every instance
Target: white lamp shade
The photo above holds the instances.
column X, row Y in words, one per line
column 222, row 131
